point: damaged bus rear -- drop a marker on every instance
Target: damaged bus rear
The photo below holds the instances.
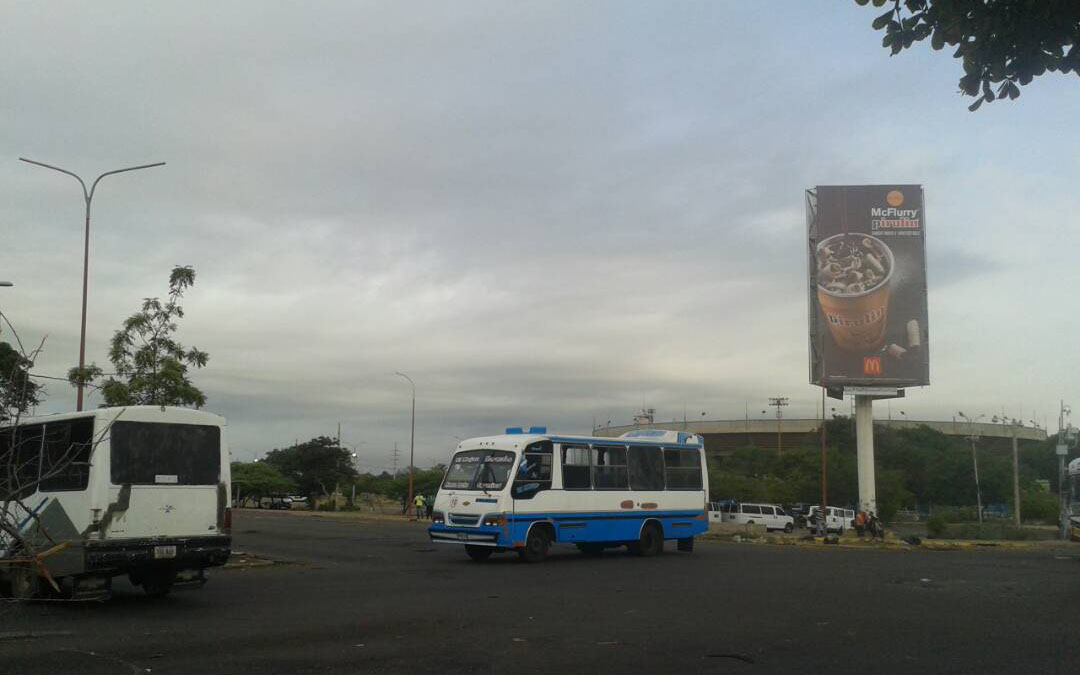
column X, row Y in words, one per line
column 142, row 491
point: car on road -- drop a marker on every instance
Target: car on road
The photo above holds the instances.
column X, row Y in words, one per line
column 276, row 503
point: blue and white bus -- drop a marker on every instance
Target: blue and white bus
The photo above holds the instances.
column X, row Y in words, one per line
column 526, row 490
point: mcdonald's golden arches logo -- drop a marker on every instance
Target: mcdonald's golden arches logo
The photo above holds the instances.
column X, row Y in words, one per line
column 871, row 365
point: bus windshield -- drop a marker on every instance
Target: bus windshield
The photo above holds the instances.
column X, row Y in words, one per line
column 479, row 470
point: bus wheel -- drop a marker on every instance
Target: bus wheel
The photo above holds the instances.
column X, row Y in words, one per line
column 158, row 583
column 651, row 542
column 536, row 545
column 478, row 553
column 686, row 545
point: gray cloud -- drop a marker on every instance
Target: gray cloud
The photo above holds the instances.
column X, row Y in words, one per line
column 544, row 212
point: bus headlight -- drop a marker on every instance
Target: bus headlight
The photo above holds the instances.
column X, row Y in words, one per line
column 496, row 519
column 437, row 517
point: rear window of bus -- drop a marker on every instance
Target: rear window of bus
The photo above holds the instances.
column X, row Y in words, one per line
column 148, row 453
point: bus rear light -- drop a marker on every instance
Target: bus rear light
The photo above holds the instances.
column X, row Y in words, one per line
column 226, row 527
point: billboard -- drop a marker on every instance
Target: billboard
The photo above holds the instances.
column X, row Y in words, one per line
column 867, row 263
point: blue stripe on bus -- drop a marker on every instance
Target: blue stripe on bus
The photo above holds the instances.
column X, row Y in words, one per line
column 599, row 526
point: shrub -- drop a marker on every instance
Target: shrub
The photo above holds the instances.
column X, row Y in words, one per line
column 1036, row 505
column 935, row 526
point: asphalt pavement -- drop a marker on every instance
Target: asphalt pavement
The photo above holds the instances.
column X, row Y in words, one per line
column 374, row 596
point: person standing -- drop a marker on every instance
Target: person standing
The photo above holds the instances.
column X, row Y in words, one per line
column 860, row 523
column 419, row 503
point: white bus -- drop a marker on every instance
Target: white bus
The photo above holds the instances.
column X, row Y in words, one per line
column 141, row 491
column 526, row 490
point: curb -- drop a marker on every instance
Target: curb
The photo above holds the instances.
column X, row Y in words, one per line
column 888, row 545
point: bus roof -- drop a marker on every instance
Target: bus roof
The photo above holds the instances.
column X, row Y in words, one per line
column 525, row 439
column 137, row 413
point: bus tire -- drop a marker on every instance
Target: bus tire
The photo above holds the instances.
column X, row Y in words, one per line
column 478, row 553
column 157, row 583
column 651, row 541
column 537, row 544
column 686, row 545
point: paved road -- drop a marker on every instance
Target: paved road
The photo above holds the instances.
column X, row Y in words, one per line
column 376, row 597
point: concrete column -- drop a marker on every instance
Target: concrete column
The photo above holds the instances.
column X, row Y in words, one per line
column 864, row 442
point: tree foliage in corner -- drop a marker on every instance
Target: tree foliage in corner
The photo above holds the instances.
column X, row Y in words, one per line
column 18, row 393
column 151, row 367
column 1003, row 43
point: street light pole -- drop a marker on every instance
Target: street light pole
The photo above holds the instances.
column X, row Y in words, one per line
column 409, row 509
column 88, row 196
column 974, row 460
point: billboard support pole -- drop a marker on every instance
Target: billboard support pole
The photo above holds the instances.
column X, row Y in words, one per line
column 864, row 443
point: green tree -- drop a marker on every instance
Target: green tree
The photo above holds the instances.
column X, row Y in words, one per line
column 1002, row 43
column 254, row 480
column 318, row 466
column 151, row 367
column 18, row 393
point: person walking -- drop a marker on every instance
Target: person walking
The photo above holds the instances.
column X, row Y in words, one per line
column 877, row 531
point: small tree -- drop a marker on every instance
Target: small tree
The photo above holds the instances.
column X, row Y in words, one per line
column 151, row 367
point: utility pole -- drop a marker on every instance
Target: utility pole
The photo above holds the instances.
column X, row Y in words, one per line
column 1062, row 451
column 395, row 459
column 1016, row 476
column 779, row 402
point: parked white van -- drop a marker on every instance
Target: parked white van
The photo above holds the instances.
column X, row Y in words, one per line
column 836, row 519
column 773, row 517
column 141, row 491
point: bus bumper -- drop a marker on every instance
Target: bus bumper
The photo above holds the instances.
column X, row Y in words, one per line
column 474, row 536
column 182, row 553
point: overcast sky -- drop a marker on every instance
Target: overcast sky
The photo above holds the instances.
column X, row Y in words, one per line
column 544, row 212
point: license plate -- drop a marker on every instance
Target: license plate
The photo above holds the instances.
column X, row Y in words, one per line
column 163, row 552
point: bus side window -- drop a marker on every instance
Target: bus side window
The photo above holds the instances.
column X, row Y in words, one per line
column 682, row 469
column 534, row 472
column 646, row 466
column 576, row 467
column 66, row 458
column 609, row 468
column 21, row 455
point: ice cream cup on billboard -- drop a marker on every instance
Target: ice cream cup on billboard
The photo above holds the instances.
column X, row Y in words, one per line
column 854, row 274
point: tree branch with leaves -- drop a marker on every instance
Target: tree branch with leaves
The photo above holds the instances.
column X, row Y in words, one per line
column 150, row 365
column 1003, row 44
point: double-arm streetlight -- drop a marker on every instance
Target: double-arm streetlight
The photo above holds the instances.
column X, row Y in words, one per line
column 88, row 196
column 409, row 509
column 974, row 459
